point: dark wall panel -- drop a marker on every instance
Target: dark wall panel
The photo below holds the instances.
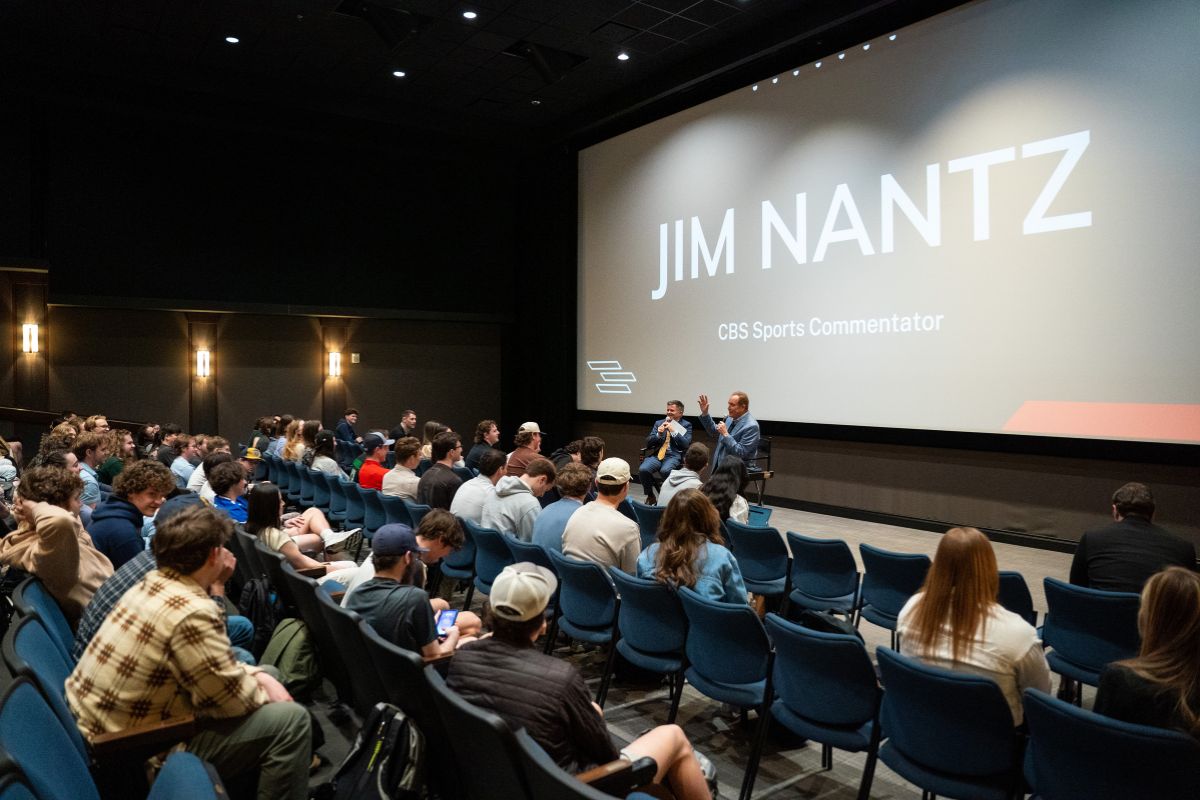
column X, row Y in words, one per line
column 132, row 366
column 266, row 365
column 443, row 371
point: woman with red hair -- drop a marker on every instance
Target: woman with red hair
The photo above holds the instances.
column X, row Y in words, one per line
column 954, row 622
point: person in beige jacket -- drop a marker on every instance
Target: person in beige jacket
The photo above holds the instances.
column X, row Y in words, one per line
column 50, row 541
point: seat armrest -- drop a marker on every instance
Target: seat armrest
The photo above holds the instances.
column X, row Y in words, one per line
column 438, row 659
column 337, row 597
column 312, row 572
column 620, row 777
column 149, row 739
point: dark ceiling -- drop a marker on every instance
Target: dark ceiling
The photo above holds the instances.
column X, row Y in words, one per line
column 521, row 70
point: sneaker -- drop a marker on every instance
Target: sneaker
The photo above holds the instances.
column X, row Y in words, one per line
column 343, row 540
column 708, row 769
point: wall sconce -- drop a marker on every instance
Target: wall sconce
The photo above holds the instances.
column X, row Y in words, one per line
column 29, row 338
column 203, row 363
column 335, row 364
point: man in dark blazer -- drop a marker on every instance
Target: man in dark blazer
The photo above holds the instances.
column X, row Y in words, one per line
column 668, row 440
column 1122, row 556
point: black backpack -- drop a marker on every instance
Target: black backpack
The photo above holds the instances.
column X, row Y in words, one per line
column 386, row 762
column 258, row 604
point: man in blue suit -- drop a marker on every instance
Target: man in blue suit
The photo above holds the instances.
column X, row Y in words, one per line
column 737, row 435
column 668, row 440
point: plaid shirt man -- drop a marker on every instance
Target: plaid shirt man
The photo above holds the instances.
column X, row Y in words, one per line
column 161, row 653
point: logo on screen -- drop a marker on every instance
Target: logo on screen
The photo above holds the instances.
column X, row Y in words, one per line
column 613, row 379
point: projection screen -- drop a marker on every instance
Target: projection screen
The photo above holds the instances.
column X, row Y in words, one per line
column 987, row 223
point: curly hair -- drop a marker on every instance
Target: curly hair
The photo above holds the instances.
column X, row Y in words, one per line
column 53, row 485
column 143, row 475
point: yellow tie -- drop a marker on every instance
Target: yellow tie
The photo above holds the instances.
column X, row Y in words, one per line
column 666, row 445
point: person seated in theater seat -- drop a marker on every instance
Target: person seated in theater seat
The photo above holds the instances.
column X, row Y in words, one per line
column 1161, row 686
column 228, row 482
column 487, row 433
column 432, row 429
column 695, row 459
column 528, row 443
column 181, row 465
column 437, row 486
column 515, row 508
column 50, row 541
column 166, row 452
column 572, row 482
column 725, row 486
column 598, row 531
column 691, row 552
column 90, row 449
column 954, row 622
column 116, row 525
column 372, row 471
column 121, row 453
column 546, row 696
column 473, row 495
column 401, row 480
column 322, row 456
column 212, row 446
column 398, row 610
column 308, row 531
column 1121, row 556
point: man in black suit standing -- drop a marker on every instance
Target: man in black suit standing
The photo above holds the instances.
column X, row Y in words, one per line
column 1122, row 556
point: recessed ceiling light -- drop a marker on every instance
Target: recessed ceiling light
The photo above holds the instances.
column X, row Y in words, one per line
column 622, row 56
column 795, row 72
column 892, row 38
column 817, row 65
column 232, row 39
column 470, row 14
column 867, row 46
column 754, row 88
column 774, row 80
column 536, row 102
column 399, row 73
column 841, row 56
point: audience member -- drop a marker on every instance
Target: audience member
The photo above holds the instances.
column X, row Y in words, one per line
column 567, row 454
column 547, row 697
column 181, row 662
column 8, row 471
column 487, row 433
column 669, row 438
column 260, row 437
column 1161, row 686
column 97, row 423
column 399, row 611
column 323, row 454
column 407, row 426
column 345, row 427
column 437, row 486
column 954, row 622
column 293, row 441
column 167, row 435
column 724, row 487
column 50, row 541
column 598, row 531
column 280, row 438
column 687, row 476
column 213, row 445
column 239, row 628
column 432, row 429
column 529, row 443
column 372, row 471
column 591, row 452
column 209, row 464
column 90, row 449
column 572, row 482
column 308, row 531
column 228, row 482
column 116, row 526
column 515, row 508
column 473, row 495
column 1120, row 557
column 691, row 552
column 401, row 480
column 181, row 466
column 120, row 454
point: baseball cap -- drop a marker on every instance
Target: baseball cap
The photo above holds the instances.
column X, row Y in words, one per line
column 530, row 427
column 613, row 472
column 521, row 591
column 376, row 439
column 395, row 539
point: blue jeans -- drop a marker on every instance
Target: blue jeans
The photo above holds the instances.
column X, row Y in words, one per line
column 241, row 636
column 653, row 472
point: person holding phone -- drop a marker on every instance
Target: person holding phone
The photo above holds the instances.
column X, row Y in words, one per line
column 399, row 611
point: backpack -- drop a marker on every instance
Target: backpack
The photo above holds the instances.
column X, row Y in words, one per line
column 291, row 652
column 826, row 622
column 258, row 604
column 387, row 760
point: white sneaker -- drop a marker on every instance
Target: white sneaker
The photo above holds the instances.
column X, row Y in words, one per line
column 336, row 538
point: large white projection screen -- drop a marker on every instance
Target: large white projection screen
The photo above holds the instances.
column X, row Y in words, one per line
column 986, row 224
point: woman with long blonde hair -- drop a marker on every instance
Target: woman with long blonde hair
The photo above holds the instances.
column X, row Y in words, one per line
column 691, row 552
column 954, row 622
column 293, row 446
column 1161, row 687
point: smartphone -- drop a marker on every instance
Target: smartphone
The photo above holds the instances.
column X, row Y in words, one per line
column 445, row 620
